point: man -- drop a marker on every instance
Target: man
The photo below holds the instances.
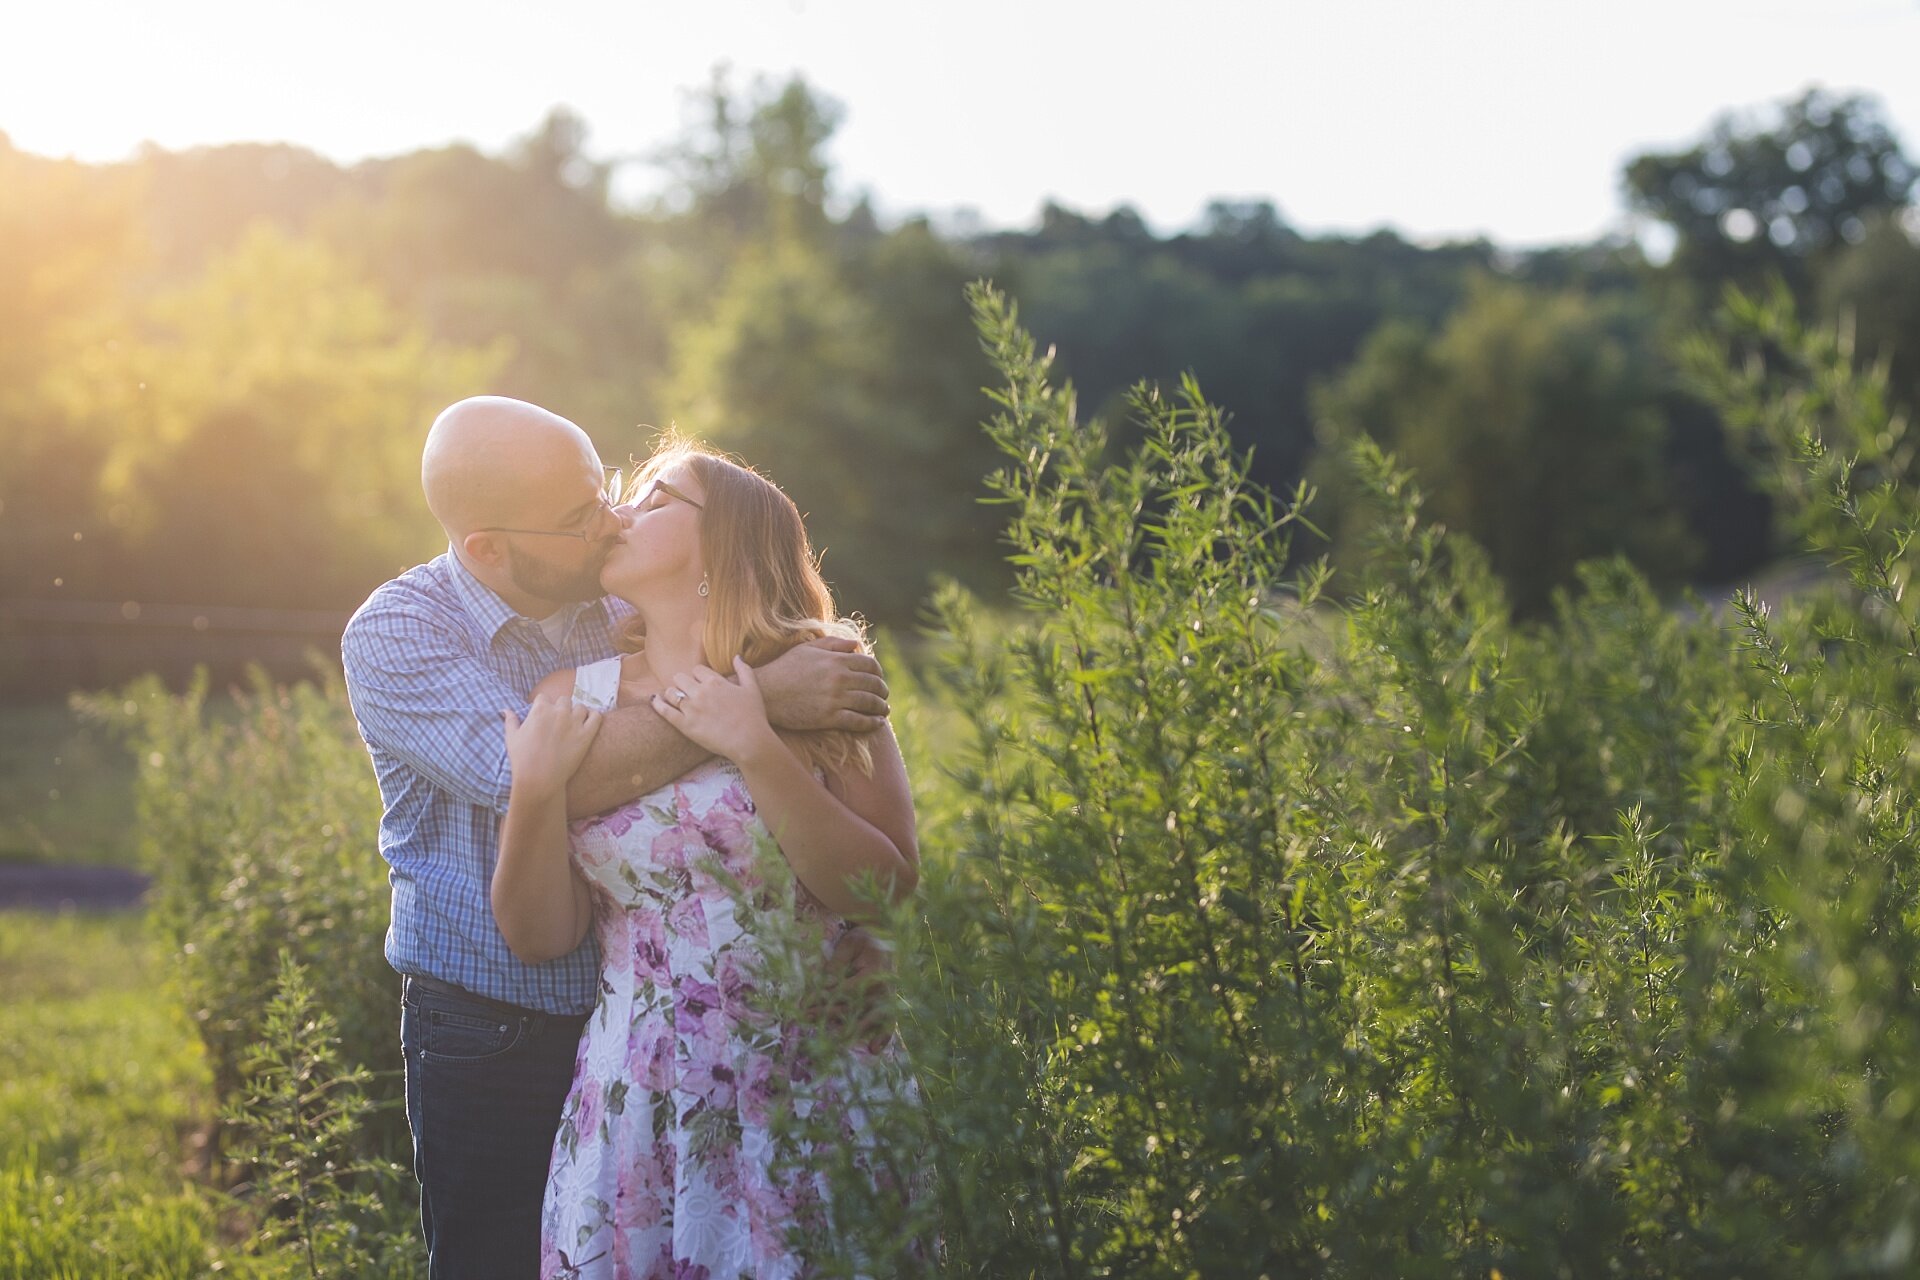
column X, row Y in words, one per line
column 432, row 658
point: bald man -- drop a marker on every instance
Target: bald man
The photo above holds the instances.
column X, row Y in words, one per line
column 432, row 658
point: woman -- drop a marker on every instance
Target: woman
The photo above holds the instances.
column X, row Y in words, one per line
column 665, row 1161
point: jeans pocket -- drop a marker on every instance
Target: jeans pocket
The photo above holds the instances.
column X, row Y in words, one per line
column 455, row 1039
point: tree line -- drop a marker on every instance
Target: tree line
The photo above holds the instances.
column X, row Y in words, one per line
column 217, row 365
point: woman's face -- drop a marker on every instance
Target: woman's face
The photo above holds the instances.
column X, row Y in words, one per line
column 658, row 554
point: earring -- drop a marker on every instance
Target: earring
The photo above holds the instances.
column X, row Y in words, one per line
column 703, row 585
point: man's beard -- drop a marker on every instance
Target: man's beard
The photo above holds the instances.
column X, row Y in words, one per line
column 562, row 586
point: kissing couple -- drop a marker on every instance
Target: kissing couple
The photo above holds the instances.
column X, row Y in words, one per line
column 594, row 720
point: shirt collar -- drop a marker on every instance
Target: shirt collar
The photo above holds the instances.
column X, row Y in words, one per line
column 482, row 605
column 570, row 615
column 493, row 613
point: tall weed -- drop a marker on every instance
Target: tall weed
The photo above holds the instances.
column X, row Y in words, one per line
column 1267, row 935
column 259, row 822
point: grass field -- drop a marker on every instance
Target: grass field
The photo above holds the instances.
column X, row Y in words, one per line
column 102, row 1085
column 101, row 1088
column 105, row 1094
column 66, row 789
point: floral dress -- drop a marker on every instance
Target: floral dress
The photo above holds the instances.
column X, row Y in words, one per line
column 664, row 1164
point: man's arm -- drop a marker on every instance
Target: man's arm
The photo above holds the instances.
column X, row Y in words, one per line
column 823, row 684
column 418, row 693
column 635, row 752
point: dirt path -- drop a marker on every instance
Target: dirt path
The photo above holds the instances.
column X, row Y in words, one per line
column 44, row 888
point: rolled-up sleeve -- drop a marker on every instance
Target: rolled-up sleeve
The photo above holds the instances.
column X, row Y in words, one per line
column 421, row 692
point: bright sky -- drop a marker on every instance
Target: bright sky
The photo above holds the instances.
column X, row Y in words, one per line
column 1511, row 118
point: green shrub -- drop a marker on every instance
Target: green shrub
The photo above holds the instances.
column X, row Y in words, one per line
column 302, row 1110
column 260, row 826
column 1269, row 937
column 259, row 823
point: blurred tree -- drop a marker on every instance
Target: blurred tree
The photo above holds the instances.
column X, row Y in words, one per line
column 836, row 356
column 1247, row 222
column 1730, row 517
column 1116, row 310
column 1754, row 199
column 932, row 372
column 837, row 393
column 1253, row 310
column 556, row 153
column 69, row 237
column 525, row 247
column 1534, row 423
column 1796, row 193
column 69, row 240
column 784, row 371
column 753, row 166
column 756, row 303
column 541, row 212
column 259, row 432
column 196, row 204
column 1874, row 287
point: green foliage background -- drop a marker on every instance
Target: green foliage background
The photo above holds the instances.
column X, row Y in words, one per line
column 251, row 338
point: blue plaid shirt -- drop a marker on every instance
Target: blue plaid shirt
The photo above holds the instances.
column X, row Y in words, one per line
column 432, row 658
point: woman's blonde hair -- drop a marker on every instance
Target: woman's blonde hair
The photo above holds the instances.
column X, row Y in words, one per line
column 765, row 590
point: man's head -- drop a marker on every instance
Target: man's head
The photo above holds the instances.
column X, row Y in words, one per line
column 520, row 492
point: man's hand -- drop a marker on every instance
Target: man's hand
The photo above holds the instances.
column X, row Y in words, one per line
column 825, row 684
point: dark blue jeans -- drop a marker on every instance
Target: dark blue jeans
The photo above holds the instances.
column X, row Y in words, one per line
column 485, row 1085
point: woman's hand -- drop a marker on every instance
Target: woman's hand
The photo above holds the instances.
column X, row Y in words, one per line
column 726, row 717
column 549, row 744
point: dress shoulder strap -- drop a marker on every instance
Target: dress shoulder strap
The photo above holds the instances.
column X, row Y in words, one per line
column 597, row 684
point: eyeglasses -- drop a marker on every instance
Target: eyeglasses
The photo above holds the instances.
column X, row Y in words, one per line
column 610, row 494
column 646, row 491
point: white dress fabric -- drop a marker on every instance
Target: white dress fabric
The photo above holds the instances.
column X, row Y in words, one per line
column 665, row 1161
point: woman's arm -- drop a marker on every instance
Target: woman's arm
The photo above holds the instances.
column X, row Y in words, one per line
column 823, row 684
column 542, row 906
column 831, row 840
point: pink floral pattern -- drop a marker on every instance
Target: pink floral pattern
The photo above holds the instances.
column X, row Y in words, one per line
column 664, row 1163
